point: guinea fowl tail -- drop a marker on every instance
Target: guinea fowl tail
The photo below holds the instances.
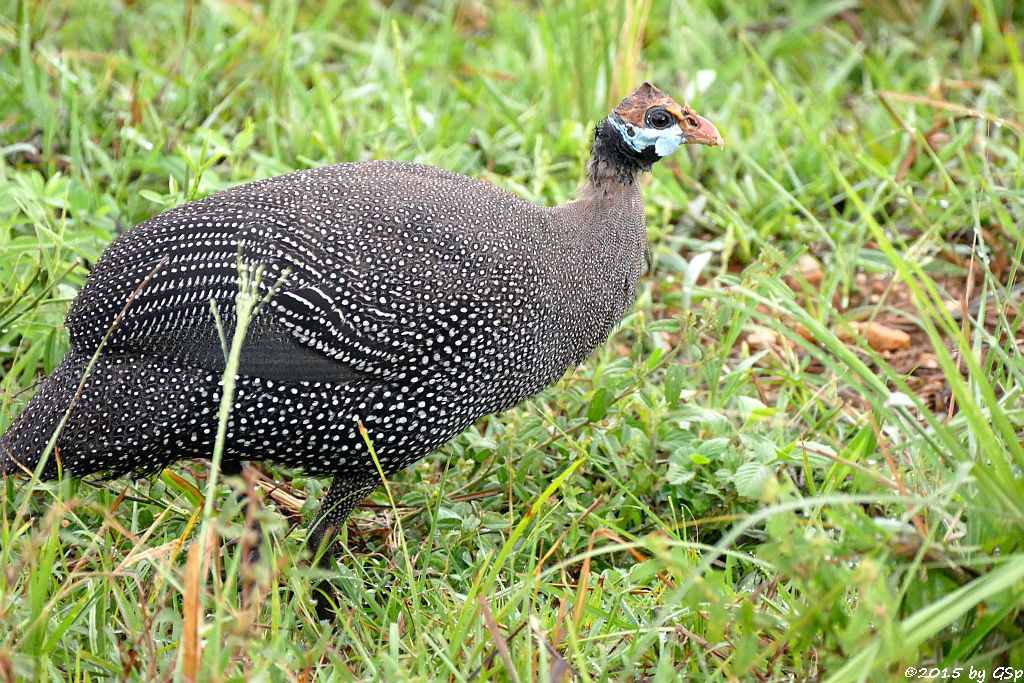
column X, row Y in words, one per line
column 24, row 442
column 134, row 413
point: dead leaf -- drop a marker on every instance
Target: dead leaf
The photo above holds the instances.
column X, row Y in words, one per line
column 762, row 340
column 878, row 336
column 811, row 269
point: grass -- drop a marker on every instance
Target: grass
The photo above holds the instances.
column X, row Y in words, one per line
column 689, row 503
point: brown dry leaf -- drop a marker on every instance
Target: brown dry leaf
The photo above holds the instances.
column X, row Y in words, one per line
column 286, row 501
column 811, row 269
column 150, row 554
column 879, row 337
column 802, row 331
column 762, row 340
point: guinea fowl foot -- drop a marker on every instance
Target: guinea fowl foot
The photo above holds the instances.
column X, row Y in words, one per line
column 326, row 600
column 321, row 543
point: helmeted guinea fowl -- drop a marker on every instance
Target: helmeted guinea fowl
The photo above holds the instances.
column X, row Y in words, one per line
column 414, row 301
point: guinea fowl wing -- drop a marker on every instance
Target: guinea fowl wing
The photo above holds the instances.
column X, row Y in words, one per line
column 367, row 274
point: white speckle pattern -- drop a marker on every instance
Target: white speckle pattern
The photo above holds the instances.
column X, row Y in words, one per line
column 416, row 300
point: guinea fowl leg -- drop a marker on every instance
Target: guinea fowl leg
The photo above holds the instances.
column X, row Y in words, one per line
column 250, row 543
column 235, row 469
column 341, row 499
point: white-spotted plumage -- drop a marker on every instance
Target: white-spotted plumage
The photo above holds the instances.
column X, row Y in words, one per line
column 408, row 298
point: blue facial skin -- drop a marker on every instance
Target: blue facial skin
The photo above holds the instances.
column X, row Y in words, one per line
column 664, row 140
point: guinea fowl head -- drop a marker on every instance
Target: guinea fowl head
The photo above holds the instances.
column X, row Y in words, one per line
column 646, row 126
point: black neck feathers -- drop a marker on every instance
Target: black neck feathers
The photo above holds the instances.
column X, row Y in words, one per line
column 612, row 158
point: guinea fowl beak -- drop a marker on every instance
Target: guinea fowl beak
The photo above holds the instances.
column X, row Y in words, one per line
column 704, row 134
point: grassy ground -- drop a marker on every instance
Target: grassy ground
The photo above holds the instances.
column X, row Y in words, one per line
column 737, row 486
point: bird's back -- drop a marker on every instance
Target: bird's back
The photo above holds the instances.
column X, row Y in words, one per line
column 372, row 255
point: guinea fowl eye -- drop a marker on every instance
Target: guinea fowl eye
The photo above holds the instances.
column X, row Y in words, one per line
column 658, row 118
